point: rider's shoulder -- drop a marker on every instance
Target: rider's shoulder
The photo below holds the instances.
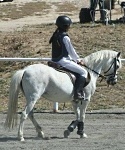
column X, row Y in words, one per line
column 63, row 34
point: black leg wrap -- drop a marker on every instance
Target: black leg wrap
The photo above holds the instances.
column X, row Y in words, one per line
column 80, row 128
column 73, row 125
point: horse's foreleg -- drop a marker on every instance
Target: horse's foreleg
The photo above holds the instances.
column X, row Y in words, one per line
column 83, row 106
column 37, row 126
column 80, row 110
column 74, row 123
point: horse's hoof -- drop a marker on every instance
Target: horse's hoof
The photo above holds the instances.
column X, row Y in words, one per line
column 21, row 139
column 47, row 138
column 66, row 133
column 83, row 135
column 41, row 135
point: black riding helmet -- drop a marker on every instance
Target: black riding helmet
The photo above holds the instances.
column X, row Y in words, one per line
column 63, row 22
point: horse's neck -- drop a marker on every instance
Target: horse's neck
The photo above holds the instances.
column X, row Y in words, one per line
column 96, row 67
column 99, row 67
column 99, row 61
column 97, row 70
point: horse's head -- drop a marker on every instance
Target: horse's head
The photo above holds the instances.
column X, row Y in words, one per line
column 111, row 72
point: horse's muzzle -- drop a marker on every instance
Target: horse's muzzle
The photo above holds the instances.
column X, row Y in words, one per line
column 112, row 80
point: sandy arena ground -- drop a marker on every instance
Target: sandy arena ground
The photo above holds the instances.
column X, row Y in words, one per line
column 105, row 130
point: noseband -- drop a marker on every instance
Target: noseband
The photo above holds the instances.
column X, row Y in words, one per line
column 115, row 68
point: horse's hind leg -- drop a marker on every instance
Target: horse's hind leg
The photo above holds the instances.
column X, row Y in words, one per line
column 23, row 117
column 20, row 131
column 37, row 126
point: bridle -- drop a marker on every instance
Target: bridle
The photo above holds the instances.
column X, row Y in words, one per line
column 112, row 75
column 115, row 68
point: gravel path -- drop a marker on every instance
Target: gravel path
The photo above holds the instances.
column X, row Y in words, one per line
column 106, row 131
column 48, row 17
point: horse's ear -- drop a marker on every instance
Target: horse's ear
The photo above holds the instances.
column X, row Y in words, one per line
column 119, row 53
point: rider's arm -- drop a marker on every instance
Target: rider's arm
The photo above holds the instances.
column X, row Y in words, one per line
column 71, row 51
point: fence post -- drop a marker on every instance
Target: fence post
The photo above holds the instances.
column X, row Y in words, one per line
column 55, row 107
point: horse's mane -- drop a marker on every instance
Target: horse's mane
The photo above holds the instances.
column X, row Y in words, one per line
column 98, row 56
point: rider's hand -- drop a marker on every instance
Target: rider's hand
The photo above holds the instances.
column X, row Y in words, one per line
column 80, row 62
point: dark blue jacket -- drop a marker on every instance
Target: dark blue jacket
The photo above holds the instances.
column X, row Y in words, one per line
column 58, row 47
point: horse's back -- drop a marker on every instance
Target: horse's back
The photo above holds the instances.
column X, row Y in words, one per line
column 44, row 71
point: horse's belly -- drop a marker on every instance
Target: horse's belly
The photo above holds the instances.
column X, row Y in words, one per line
column 60, row 93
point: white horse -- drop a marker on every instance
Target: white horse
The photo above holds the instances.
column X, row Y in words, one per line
column 41, row 80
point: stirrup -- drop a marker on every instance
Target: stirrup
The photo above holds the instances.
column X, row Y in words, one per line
column 79, row 96
column 77, row 99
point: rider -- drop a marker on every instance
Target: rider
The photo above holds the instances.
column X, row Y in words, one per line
column 65, row 55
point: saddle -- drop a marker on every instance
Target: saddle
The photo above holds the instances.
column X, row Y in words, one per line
column 73, row 76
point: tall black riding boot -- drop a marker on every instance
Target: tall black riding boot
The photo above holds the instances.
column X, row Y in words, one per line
column 79, row 85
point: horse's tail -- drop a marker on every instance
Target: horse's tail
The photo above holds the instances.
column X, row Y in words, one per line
column 11, row 120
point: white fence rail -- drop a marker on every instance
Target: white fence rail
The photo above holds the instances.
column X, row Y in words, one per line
column 123, row 60
column 24, row 59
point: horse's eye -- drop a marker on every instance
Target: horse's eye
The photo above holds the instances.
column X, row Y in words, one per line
column 117, row 66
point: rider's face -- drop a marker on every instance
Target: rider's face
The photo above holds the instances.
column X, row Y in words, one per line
column 68, row 27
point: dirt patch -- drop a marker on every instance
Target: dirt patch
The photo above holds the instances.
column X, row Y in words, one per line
column 86, row 40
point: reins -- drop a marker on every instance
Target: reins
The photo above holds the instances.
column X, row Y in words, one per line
column 100, row 75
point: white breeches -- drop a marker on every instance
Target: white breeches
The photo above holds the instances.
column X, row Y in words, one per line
column 71, row 65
